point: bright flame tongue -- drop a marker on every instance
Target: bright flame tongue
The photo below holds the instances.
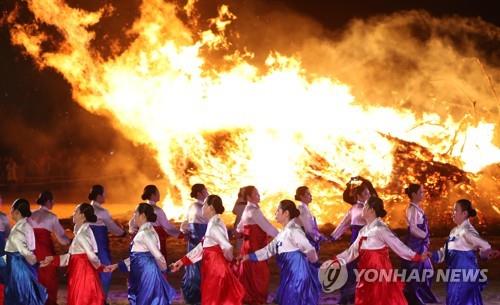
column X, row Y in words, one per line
column 236, row 127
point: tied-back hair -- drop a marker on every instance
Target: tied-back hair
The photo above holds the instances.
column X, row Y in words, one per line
column 215, row 202
column 23, row 206
column 149, row 190
column 197, row 188
column 301, row 190
column 377, row 205
column 355, row 186
column 466, row 205
column 44, row 197
column 412, row 189
column 248, row 190
column 288, row 205
column 148, row 211
column 95, row 191
column 88, row 211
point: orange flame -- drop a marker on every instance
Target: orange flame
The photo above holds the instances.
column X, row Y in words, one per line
column 240, row 125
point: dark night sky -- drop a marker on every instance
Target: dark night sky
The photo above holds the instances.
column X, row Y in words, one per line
column 37, row 111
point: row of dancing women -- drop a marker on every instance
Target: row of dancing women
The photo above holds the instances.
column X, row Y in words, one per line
column 213, row 275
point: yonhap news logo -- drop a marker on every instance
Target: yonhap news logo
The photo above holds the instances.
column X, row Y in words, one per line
column 332, row 276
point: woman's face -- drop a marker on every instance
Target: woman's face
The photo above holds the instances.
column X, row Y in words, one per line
column 156, row 196
column 254, row 197
column 78, row 217
column 306, row 197
column 364, row 195
column 458, row 214
column 419, row 195
column 281, row 216
column 367, row 212
column 139, row 219
column 207, row 211
column 203, row 195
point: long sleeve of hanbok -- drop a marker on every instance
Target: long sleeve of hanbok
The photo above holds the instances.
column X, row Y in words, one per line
column 165, row 224
column 26, row 246
column 305, row 246
column 111, row 225
column 264, row 224
column 194, row 255
column 412, row 223
column 89, row 250
column 220, row 235
column 58, row 231
column 477, row 242
column 351, row 253
column 397, row 245
column 265, row 253
column 343, row 225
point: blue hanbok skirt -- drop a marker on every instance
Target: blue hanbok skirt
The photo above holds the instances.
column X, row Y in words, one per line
column 191, row 280
column 21, row 282
column 104, row 254
column 299, row 284
column 464, row 289
column 147, row 284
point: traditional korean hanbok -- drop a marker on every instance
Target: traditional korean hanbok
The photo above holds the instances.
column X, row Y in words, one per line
column 459, row 254
column 308, row 222
column 195, row 227
column 355, row 222
column 254, row 275
column 372, row 248
column 162, row 226
column 299, row 284
column 4, row 233
column 219, row 285
column 18, row 267
column 418, row 292
column 100, row 229
column 45, row 223
column 147, row 285
column 84, row 285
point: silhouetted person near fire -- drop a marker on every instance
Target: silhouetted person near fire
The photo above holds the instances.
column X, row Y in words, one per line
column 418, row 239
column 45, row 223
column 104, row 225
column 357, row 192
column 255, row 229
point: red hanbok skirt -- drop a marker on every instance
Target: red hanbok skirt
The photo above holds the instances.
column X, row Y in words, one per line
column 84, row 285
column 47, row 276
column 219, row 285
column 254, row 276
column 378, row 292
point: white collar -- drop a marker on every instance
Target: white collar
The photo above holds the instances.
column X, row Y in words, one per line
column 252, row 204
column 417, row 206
column 95, row 203
column 146, row 226
column 20, row 222
column 84, row 226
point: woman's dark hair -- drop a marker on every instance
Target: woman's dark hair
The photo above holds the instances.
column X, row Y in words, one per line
column 23, row 206
column 44, row 197
column 149, row 191
column 95, row 191
column 216, row 202
column 241, row 196
column 197, row 188
column 88, row 211
column 148, row 210
column 288, row 205
column 248, row 190
column 355, row 186
column 466, row 205
column 301, row 190
column 412, row 189
column 377, row 205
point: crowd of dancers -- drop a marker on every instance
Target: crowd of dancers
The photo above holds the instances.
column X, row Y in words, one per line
column 218, row 273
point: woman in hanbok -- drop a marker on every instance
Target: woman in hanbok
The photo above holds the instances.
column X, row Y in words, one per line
column 459, row 254
column 195, row 227
column 418, row 292
column 306, row 220
column 100, row 228
column 238, row 208
column 163, row 227
column 45, row 223
column 19, row 269
column 255, row 228
column 357, row 192
column 299, row 283
column 84, row 286
column 372, row 248
column 219, row 285
column 146, row 283
column 4, row 233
